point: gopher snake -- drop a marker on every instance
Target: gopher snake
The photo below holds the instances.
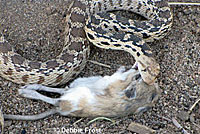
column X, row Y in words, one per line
column 89, row 20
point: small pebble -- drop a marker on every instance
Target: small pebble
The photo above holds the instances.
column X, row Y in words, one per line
column 183, row 115
column 192, row 117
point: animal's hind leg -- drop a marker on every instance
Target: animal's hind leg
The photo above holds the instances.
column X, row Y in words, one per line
column 39, row 87
column 32, row 94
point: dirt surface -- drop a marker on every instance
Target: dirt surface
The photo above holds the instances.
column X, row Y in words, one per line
column 35, row 29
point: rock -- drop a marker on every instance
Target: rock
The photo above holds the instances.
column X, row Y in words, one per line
column 140, row 129
column 183, row 115
column 192, row 117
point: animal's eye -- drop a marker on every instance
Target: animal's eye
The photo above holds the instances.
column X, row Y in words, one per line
column 131, row 93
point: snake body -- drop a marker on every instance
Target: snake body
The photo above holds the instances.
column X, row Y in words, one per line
column 89, row 20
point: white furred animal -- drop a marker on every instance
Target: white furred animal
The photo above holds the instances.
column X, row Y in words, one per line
column 120, row 94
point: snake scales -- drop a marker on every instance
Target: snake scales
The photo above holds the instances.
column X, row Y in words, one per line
column 89, row 21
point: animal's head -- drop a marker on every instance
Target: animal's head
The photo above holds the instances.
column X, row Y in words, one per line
column 140, row 95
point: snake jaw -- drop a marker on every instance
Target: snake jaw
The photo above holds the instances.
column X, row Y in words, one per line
column 149, row 71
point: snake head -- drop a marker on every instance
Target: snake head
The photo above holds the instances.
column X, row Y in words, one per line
column 149, row 70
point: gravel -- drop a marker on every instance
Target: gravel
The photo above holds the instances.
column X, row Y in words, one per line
column 35, row 29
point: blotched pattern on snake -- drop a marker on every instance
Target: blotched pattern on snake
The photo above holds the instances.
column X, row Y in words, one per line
column 89, row 20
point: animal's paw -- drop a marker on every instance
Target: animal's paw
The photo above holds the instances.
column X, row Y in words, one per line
column 28, row 91
column 25, row 93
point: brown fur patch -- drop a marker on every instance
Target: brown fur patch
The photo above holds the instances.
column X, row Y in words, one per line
column 119, row 85
column 84, row 109
column 65, row 105
column 82, row 103
column 107, row 92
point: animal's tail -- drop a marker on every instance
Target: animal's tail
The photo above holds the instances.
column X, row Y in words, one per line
column 30, row 117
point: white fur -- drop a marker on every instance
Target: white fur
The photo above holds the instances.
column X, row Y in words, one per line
column 89, row 87
column 86, row 88
column 85, row 96
column 97, row 84
column 81, row 88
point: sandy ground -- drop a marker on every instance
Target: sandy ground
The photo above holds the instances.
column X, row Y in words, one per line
column 35, row 29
